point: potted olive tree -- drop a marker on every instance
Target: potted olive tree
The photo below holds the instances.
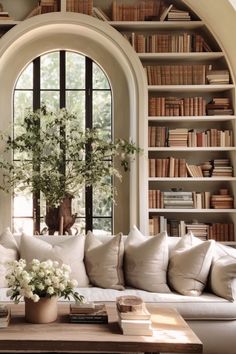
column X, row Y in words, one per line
column 58, row 159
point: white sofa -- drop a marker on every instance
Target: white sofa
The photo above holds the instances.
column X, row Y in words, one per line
column 212, row 318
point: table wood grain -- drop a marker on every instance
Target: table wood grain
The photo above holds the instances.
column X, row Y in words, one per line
column 171, row 334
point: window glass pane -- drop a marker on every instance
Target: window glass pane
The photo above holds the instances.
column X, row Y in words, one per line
column 78, row 204
column 99, row 78
column 102, row 204
column 102, row 111
column 25, row 80
column 50, row 99
column 75, row 103
column 23, row 225
column 75, row 71
column 23, row 205
column 22, row 101
column 50, row 71
column 102, row 226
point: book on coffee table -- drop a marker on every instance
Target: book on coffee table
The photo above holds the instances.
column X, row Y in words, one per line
column 133, row 316
column 89, row 314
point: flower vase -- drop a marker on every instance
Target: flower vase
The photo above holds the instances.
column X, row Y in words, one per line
column 43, row 311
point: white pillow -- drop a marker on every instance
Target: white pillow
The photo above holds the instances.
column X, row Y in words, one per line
column 189, row 265
column 223, row 277
column 70, row 251
column 104, row 261
column 7, row 240
column 146, row 261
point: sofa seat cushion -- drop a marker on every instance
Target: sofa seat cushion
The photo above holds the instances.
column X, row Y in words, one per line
column 204, row 307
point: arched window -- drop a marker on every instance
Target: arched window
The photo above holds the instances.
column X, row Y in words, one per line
column 65, row 79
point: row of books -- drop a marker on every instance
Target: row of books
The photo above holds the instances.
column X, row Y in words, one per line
column 205, row 231
column 141, row 11
column 176, row 106
column 167, row 43
column 81, row 6
column 189, row 200
column 178, row 167
column 168, row 167
column 183, row 74
column 159, row 136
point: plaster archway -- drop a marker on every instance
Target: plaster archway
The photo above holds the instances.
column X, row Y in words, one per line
column 105, row 45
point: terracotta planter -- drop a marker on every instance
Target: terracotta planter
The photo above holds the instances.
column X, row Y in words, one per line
column 43, row 311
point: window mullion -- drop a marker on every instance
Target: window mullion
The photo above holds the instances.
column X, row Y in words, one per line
column 89, row 124
column 36, row 105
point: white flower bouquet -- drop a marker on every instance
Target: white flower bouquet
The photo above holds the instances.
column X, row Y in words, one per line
column 40, row 279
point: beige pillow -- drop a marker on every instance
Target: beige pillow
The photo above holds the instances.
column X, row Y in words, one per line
column 104, row 261
column 223, row 277
column 70, row 251
column 189, row 265
column 6, row 255
column 146, row 261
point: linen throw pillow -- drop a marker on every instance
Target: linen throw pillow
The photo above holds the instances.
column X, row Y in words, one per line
column 146, row 261
column 222, row 279
column 104, row 261
column 7, row 240
column 189, row 265
column 70, row 251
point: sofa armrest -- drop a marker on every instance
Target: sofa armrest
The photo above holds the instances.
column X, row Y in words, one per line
column 223, row 277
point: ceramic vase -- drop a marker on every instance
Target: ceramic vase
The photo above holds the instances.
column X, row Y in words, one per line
column 43, row 311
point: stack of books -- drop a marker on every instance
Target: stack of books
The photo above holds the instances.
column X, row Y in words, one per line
column 88, row 313
column 219, row 106
column 178, row 15
column 179, row 199
column 5, row 315
column 206, row 168
column 199, row 230
column 222, row 167
column 223, row 200
column 218, row 77
column 133, row 316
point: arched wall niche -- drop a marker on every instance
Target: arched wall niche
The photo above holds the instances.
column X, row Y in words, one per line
column 110, row 50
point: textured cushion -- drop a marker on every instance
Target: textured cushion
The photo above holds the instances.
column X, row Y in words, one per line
column 104, row 261
column 70, row 251
column 146, row 261
column 7, row 240
column 189, row 265
column 223, row 277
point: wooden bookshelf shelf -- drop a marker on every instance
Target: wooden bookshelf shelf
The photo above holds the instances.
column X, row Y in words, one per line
column 181, row 56
column 191, row 179
column 202, row 149
column 208, row 211
column 190, row 88
column 156, row 25
column 8, row 23
column 192, row 118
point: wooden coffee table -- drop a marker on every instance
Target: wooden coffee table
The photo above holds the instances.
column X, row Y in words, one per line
column 172, row 334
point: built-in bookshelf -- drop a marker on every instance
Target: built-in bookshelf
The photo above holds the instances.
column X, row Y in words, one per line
column 190, row 89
